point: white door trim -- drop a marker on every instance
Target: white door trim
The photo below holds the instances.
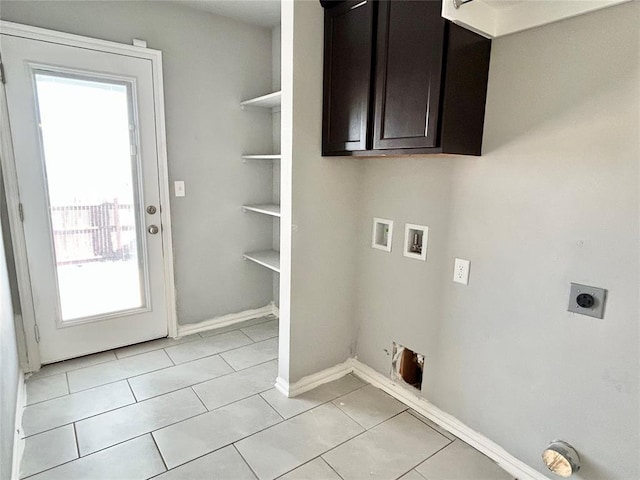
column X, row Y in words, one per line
column 11, row 178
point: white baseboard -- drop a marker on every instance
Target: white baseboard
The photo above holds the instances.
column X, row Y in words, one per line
column 508, row 462
column 225, row 320
column 282, row 386
column 18, row 441
column 312, row 381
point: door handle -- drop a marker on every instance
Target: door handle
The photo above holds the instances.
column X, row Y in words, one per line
column 153, row 229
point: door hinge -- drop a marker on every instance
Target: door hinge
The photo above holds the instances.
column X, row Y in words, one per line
column 21, row 212
column 37, row 332
column 2, row 77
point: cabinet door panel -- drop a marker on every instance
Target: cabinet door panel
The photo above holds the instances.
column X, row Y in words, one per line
column 347, row 76
column 409, row 67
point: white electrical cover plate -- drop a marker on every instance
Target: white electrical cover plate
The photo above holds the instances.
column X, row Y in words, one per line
column 179, row 188
column 461, row 271
column 382, row 234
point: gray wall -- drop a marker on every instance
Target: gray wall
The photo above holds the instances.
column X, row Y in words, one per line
column 9, row 369
column 324, row 217
column 553, row 200
column 210, row 64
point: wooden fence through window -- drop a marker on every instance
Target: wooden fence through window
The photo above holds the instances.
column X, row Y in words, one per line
column 93, row 233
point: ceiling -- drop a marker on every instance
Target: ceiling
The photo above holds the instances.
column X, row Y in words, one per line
column 265, row 13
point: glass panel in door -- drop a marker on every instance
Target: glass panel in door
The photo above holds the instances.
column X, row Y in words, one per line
column 93, row 194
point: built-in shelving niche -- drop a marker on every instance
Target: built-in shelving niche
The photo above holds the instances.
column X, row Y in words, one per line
column 267, row 258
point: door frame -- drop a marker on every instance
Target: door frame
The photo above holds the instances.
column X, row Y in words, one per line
column 10, row 178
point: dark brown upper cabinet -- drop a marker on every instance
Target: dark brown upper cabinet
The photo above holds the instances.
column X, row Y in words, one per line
column 424, row 92
column 347, row 75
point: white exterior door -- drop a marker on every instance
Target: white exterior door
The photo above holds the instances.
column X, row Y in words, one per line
column 83, row 129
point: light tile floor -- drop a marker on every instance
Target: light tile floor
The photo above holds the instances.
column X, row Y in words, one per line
column 204, row 407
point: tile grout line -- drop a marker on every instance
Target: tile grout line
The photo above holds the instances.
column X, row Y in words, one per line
column 331, row 400
column 372, row 426
column 271, row 406
column 43, row 401
column 198, row 397
column 116, row 359
column 121, row 379
column 176, row 365
column 156, row 396
column 40, row 375
column 92, row 453
column 79, row 419
column 409, row 410
column 362, row 433
column 309, row 461
column 234, row 370
column 132, row 392
column 48, row 469
column 213, row 410
column 153, row 439
column 354, row 437
column 153, row 349
column 243, row 332
column 167, row 354
column 75, row 437
column 244, row 460
column 259, row 394
column 150, row 432
column 52, row 398
column 227, row 444
column 271, row 426
column 430, row 456
column 239, row 324
column 364, row 430
column 331, row 467
column 134, row 437
column 203, row 381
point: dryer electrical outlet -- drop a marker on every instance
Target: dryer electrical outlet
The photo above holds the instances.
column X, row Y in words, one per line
column 587, row 300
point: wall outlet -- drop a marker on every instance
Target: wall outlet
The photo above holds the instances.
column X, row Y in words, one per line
column 461, row 271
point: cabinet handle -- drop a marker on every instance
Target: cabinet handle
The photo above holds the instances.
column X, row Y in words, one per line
column 426, row 127
column 362, row 3
column 458, row 3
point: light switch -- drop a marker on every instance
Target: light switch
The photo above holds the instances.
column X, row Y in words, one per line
column 179, row 188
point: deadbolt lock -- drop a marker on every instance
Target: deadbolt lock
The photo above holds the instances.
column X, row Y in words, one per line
column 153, row 229
column 151, row 209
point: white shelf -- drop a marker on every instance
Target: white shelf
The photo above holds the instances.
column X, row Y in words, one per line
column 268, row 258
column 271, row 100
column 261, row 157
column 267, row 209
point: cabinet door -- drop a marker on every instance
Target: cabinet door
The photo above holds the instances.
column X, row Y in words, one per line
column 348, row 42
column 409, row 68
